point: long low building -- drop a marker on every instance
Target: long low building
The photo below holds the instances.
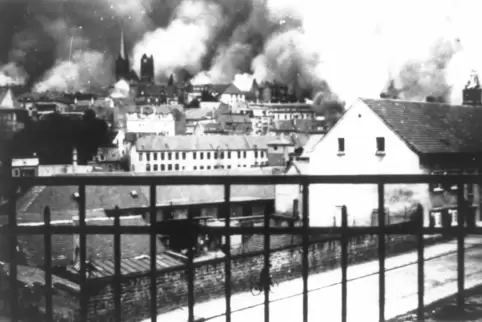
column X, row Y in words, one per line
column 184, row 153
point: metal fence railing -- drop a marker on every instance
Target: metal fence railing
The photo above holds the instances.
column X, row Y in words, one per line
column 155, row 228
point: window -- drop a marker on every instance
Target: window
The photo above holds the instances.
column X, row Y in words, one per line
column 208, row 167
column 221, row 155
column 215, row 155
column 169, row 156
column 156, row 167
column 255, row 153
column 239, row 154
column 169, row 167
column 163, row 167
column 195, row 168
column 148, row 167
column 208, row 155
column 244, row 154
column 176, row 156
column 184, row 155
column 341, row 145
column 176, row 167
column 155, row 156
column 148, row 156
column 201, row 155
column 201, row 168
column 229, row 167
column 229, row 154
column 380, row 145
column 162, row 155
column 140, row 156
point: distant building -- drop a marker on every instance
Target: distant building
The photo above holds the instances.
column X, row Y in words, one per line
column 150, row 119
column 227, row 124
column 179, row 153
column 122, row 65
column 289, row 111
column 25, row 167
column 472, row 93
column 13, row 117
column 147, row 68
column 287, row 127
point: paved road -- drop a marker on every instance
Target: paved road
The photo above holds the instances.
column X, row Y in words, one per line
column 325, row 298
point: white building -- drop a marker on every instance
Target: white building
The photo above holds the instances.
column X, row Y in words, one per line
column 389, row 137
column 151, row 120
column 231, row 95
column 288, row 111
column 178, row 153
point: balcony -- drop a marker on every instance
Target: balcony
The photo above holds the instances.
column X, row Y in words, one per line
column 118, row 274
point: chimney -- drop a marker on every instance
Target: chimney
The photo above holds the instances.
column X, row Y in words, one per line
column 74, row 157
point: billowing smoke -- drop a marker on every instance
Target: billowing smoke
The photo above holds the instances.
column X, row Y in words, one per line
column 348, row 48
column 12, row 74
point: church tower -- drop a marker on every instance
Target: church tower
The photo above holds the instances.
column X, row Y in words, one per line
column 147, row 68
column 472, row 93
column 122, row 65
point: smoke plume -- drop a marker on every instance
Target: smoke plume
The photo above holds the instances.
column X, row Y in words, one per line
column 345, row 48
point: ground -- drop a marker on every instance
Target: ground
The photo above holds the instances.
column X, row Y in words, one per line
column 325, row 291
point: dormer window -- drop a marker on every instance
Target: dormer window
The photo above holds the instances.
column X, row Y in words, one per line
column 380, row 145
column 341, row 145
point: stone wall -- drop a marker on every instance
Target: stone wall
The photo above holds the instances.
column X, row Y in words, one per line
column 209, row 277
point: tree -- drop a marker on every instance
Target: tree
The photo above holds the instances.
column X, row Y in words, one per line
column 171, row 80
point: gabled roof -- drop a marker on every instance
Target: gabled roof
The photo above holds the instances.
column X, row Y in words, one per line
column 7, row 100
column 430, row 128
column 232, row 90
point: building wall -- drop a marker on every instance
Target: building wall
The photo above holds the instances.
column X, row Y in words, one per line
column 289, row 115
column 195, row 160
column 159, row 124
column 231, row 98
column 360, row 127
column 209, row 278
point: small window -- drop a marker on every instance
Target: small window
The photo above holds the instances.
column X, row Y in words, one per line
column 208, row 155
column 239, row 154
column 176, row 167
column 201, row 155
column 163, row 167
column 162, row 156
column 194, row 155
column 208, row 167
column 380, row 144
column 148, row 167
column 169, row 156
column 229, row 154
column 140, row 156
column 195, row 168
column 184, row 155
column 176, row 156
column 156, row 167
column 341, row 145
column 256, row 153
column 244, row 154
column 229, row 167
column 169, row 167
column 221, row 155
column 148, row 156
column 215, row 155
column 201, row 168
column 155, row 156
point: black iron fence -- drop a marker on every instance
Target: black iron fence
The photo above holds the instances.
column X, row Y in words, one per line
column 344, row 231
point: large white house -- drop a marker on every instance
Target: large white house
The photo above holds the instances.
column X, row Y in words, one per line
column 151, row 120
column 196, row 153
column 377, row 136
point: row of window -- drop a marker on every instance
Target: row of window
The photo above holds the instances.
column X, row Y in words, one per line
column 380, row 144
column 182, row 155
column 176, row 167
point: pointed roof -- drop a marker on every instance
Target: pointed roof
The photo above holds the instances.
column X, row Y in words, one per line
column 473, row 81
column 122, row 50
column 7, row 100
column 232, row 90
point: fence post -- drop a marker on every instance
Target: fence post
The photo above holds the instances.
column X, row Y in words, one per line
column 344, row 263
column 227, row 262
column 117, row 265
column 153, row 251
column 48, row 264
column 461, row 209
column 305, row 262
column 420, row 262
column 381, row 250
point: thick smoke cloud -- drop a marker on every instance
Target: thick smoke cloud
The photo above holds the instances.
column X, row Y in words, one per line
column 341, row 48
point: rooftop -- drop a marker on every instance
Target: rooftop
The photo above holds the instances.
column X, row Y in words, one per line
column 432, row 127
column 202, row 143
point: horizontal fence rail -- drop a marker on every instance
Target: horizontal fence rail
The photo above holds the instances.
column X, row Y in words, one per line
column 171, row 227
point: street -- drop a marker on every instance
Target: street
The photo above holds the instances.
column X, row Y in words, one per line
column 325, row 290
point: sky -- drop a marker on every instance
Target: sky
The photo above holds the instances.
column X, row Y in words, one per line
column 344, row 48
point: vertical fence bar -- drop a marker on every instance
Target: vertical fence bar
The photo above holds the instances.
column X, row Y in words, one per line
column 153, row 251
column 267, row 247
column 305, row 263
column 48, row 265
column 83, row 254
column 344, row 263
column 12, row 222
column 381, row 250
column 117, row 265
column 420, row 266
column 462, row 207
column 190, row 267
column 227, row 263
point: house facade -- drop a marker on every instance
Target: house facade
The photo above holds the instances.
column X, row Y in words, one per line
column 197, row 153
column 390, row 137
column 151, row 120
